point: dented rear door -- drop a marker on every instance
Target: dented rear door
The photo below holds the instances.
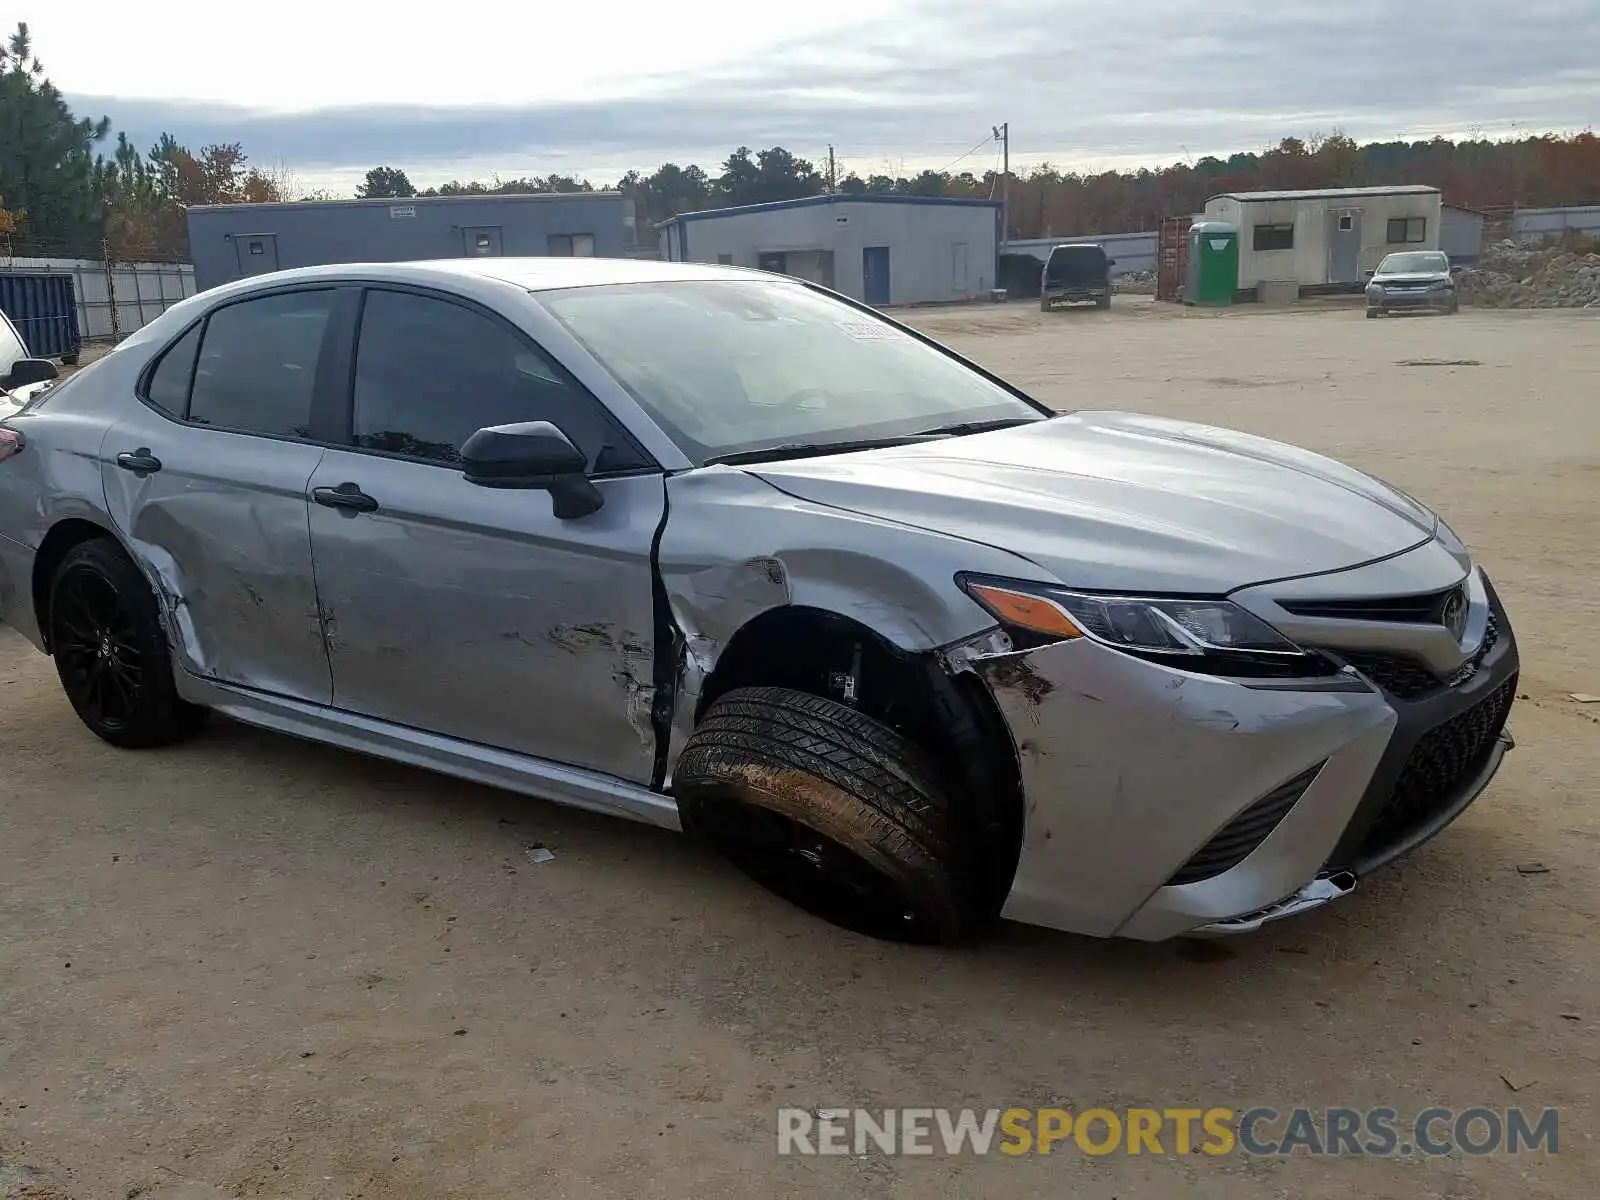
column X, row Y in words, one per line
column 206, row 481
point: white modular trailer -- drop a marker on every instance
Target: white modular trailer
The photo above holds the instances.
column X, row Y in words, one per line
column 1329, row 237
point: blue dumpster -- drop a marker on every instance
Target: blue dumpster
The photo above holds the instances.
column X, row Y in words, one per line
column 44, row 311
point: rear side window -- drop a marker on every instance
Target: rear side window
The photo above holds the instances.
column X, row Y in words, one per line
column 257, row 368
column 169, row 382
column 429, row 374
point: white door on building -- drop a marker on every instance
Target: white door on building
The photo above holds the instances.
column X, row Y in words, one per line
column 958, row 268
column 1344, row 246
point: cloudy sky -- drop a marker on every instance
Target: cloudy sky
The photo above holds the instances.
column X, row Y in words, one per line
column 328, row 88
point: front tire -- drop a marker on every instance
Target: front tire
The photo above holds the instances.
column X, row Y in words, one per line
column 832, row 810
column 111, row 652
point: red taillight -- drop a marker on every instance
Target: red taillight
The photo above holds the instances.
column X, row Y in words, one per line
column 11, row 444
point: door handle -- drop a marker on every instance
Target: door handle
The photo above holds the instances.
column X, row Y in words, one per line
column 347, row 496
column 140, row 461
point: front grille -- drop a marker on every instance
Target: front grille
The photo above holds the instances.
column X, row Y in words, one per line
column 1443, row 760
column 1398, row 674
column 1234, row 842
column 1422, row 609
column 1406, row 677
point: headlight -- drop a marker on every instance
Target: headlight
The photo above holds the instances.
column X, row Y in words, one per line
column 1215, row 637
column 1441, row 285
column 1374, row 289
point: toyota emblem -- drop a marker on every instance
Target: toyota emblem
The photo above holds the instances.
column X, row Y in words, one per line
column 1454, row 614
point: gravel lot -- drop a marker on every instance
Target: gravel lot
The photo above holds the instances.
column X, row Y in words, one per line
column 251, row 967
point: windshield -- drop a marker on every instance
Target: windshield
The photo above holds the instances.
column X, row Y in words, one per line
column 1077, row 261
column 734, row 366
column 1417, row 262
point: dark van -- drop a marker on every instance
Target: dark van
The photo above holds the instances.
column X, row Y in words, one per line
column 1075, row 275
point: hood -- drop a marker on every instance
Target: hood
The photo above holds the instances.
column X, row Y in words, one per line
column 1116, row 501
column 1404, row 277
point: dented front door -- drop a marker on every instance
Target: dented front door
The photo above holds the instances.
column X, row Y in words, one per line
column 475, row 613
column 219, row 519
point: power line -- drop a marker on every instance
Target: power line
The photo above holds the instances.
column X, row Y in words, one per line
column 986, row 140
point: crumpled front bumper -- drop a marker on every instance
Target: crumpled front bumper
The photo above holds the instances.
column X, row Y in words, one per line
column 1392, row 302
column 1130, row 768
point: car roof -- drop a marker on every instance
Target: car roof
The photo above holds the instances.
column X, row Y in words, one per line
column 534, row 274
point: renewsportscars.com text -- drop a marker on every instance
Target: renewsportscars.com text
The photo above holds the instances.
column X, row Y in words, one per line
column 1260, row 1131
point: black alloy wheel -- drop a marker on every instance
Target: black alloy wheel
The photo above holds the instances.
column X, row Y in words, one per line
column 111, row 652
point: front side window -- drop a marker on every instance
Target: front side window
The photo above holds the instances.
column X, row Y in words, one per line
column 733, row 366
column 257, row 368
column 430, row 373
column 1407, row 230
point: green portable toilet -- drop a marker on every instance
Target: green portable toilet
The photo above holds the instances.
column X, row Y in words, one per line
column 1213, row 263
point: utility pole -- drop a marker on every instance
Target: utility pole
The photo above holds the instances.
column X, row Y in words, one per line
column 1002, row 134
column 832, row 178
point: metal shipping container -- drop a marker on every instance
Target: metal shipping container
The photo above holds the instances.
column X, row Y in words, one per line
column 45, row 313
column 233, row 241
column 1172, row 263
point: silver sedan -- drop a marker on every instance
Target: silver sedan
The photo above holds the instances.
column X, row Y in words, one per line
column 725, row 552
column 1413, row 281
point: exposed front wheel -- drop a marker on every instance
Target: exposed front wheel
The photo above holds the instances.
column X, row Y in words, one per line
column 830, row 809
column 110, row 651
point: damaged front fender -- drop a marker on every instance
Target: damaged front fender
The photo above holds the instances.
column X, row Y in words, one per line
column 735, row 548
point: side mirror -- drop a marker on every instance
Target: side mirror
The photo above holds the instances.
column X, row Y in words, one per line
column 30, row 370
column 1111, row 262
column 1368, row 274
column 534, row 456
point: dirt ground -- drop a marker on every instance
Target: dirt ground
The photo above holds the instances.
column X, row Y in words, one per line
column 252, row 967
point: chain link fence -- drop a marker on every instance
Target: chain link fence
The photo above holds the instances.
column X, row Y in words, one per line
column 113, row 297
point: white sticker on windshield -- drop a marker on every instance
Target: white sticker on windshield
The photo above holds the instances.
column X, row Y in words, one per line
column 864, row 331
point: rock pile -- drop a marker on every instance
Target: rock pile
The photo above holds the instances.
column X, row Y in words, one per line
column 1513, row 276
column 1138, row 283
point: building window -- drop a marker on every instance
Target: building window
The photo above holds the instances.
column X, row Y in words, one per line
column 1404, row 230
column 1273, row 237
column 1346, row 223
column 725, row 260
column 571, row 245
